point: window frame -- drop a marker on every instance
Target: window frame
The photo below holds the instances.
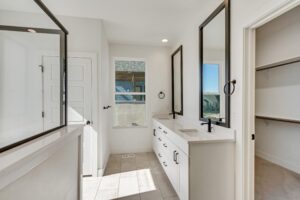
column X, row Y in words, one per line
column 114, row 93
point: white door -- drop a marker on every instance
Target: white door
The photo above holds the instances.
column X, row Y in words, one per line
column 80, row 104
column 51, row 92
column 79, row 100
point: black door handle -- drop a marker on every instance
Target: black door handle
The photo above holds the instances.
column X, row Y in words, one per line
column 88, row 122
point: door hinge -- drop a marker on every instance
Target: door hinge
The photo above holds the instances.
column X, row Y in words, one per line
column 253, row 136
column 43, row 114
column 42, row 68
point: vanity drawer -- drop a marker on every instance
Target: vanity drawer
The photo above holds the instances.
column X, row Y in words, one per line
column 175, row 139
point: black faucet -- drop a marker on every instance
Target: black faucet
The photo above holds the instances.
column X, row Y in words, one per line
column 208, row 125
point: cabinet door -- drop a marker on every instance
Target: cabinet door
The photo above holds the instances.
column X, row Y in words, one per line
column 173, row 170
column 183, row 163
column 154, row 141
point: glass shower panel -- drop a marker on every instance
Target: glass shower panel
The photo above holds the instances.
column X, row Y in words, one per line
column 29, row 84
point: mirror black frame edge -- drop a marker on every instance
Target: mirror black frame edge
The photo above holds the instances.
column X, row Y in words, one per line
column 64, row 72
column 178, row 50
column 225, row 5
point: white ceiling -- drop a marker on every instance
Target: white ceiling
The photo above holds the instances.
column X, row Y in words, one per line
column 131, row 21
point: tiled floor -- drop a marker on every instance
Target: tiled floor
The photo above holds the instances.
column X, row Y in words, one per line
column 137, row 177
column 273, row 182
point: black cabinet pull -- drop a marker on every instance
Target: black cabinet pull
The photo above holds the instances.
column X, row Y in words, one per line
column 165, row 132
column 176, row 158
column 159, row 139
column 154, row 134
column 159, row 127
column 165, row 145
column 165, row 164
column 159, row 155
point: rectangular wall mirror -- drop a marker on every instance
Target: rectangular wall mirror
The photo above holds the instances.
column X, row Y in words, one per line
column 177, row 82
column 214, row 36
column 32, row 73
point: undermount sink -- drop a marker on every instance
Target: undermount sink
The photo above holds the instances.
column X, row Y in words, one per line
column 188, row 130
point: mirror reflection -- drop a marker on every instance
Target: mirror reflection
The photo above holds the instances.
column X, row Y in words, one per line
column 214, row 68
column 177, row 65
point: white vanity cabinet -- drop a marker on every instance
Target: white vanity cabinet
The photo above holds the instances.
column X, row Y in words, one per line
column 198, row 166
column 173, row 160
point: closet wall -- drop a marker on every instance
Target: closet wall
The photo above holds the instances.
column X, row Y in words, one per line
column 278, row 91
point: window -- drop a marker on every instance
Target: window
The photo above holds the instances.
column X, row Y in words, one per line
column 211, row 91
column 130, row 93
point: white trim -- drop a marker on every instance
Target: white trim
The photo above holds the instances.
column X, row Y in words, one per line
column 146, row 93
column 100, row 172
column 249, row 94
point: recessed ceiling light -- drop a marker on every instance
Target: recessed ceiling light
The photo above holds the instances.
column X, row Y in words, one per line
column 31, row 30
column 164, row 40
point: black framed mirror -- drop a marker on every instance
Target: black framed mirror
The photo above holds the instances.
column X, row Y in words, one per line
column 214, row 57
column 177, row 81
column 33, row 92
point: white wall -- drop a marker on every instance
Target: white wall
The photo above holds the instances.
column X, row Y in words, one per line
column 243, row 14
column 277, row 91
column 158, row 78
column 55, row 178
column 276, row 40
column 278, row 142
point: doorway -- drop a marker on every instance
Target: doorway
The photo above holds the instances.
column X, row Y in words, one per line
column 271, row 115
column 82, row 104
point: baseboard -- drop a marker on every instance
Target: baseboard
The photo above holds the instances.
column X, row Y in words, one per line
column 100, row 172
column 273, row 159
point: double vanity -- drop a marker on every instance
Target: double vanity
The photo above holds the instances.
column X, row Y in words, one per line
column 200, row 165
column 198, row 160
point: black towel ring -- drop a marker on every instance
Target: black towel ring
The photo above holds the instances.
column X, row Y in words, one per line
column 161, row 95
column 229, row 93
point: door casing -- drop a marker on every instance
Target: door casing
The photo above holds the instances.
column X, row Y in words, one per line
column 249, row 94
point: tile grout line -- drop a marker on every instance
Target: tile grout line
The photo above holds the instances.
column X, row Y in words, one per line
column 118, row 195
column 98, row 188
column 137, row 178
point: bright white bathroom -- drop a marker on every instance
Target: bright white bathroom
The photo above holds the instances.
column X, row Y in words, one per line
column 149, row 100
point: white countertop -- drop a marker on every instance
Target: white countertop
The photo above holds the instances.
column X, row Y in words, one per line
column 218, row 134
column 16, row 162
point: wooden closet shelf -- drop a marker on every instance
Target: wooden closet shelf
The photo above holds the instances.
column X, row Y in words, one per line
column 278, row 119
column 278, row 64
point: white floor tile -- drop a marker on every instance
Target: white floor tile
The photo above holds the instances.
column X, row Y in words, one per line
column 107, row 194
column 128, row 185
column 110, row 182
